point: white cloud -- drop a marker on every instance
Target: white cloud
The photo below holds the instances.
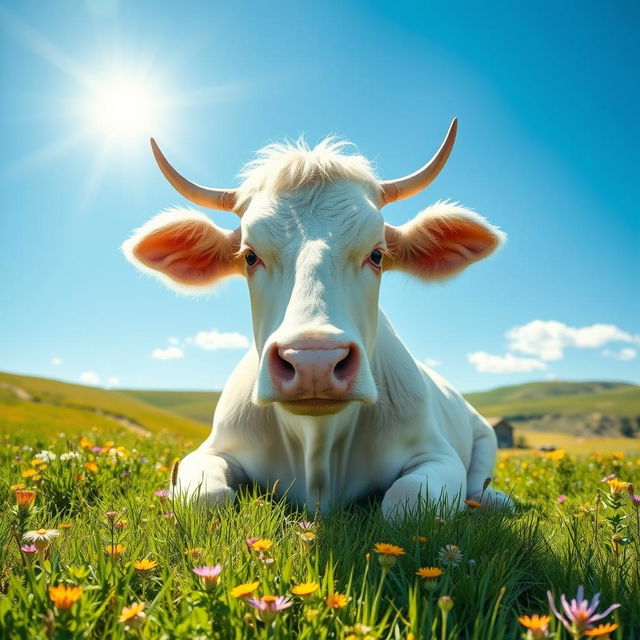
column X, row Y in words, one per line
column 488, row 363
column 211, row 340
column 174, row 341
column 432, row 362
column 56, row 361
column 626, row 353
column 112, row 381
column 170, row 353
column 548, row 339
column 89, row 377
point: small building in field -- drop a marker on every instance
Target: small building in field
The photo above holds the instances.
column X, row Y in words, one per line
column 504, row 432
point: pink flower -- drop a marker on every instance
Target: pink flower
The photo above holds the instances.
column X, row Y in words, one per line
column 28, row 548
column 268, row 606
column 96, row 449
column 635, row 500
column 208, row 575
column 609, row 477
column 163, row 494
column 305, row 525
column 561, row 498
column 580, row 613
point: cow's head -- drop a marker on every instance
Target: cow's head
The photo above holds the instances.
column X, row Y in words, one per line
column 313, row 245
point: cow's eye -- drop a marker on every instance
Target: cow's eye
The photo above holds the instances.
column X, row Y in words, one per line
column 376, row 257
column 250, row 258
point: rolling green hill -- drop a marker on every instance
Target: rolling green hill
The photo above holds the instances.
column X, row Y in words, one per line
column 43, row 405
column 195, row 405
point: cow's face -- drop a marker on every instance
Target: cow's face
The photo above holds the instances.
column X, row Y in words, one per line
column 313, row 258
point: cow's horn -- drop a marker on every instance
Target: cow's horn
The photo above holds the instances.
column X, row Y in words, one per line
column 408, row 186
column 222, row 199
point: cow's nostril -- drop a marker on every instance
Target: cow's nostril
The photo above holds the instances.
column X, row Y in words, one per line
column 281, row 367
column 347, row 367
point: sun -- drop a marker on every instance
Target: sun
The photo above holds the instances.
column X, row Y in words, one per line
column 123, row 108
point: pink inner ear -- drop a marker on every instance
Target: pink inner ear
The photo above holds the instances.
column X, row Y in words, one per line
column 194, row 255
column 435, row 247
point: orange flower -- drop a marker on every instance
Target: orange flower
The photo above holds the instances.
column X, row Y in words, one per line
column 537, row 623
column 421, row 539
column 91, row 467
column 63, row 597
column 473, row 504
column 114, row 550
column 25, row 499
column 305, row 589
column 601, row 631
column 429, row 573
column 132, row 616
column 382, row 548
column 336, row 601
column 30, row 473
column 261, row 544
column 245, row 589
column 65, row 525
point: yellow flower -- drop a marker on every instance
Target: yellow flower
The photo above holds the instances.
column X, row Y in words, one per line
column 41, row 538
column 307, row 536
column 29, row 473
column 25, row 499
column 245, row 589
column 535, row 622
column 261, row 544
column 421, row 539
column 133, row 615
column 145, row 565
column 336, row 601
column 473, row 504
column 618, row 486
column 63, row 597
column 305, row 589
column 17, row 487
column 556, row 455
column 193, row 552
column 429, row 573
column 601, row 631
column 66, row 525
column 382, row 548
column 114, row 550
column 91, row 467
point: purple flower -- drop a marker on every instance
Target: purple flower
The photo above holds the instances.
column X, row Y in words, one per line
column 269, row 605
column 635, row 500
column 208, row 575
column 96, row 449
column 125, row 474
column 609, row 477
column 163, row 494
column 143, row 459
column 305, row 525
column 28, row 548
column 581, row 614
column 561, row 498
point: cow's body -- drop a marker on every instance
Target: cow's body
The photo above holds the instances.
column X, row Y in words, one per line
column 328, row 401
column 420, row 426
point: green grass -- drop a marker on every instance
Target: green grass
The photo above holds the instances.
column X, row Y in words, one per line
column 509, row 560
column 196, row 405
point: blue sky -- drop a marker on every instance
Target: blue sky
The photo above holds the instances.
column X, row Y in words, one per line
column 547, row 97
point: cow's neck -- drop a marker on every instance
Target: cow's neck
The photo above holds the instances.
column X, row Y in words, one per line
column 319, row 448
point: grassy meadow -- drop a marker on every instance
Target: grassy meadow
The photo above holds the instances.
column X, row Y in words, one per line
column 122, row 562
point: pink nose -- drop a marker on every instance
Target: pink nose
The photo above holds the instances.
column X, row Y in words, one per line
column 301, row 372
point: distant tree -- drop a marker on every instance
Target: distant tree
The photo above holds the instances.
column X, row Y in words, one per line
column 521, row 442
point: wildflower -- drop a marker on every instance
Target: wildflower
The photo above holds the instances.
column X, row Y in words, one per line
column 114, row 550
column 474, row 504
column 64, row 597
column 537, row 625
column 617, row 487
column 145, row 565
column 91, row 467
column 429, row 573
column 445, row 603
column 450, row 555
column 581, row 614
column 132, row 616
column 17, row 487
column 70, row 455
column 259, row 544
column 359, row 631
column 608, row 478
column 25, row 499
column 602, row 631
column 193, row 552
column 121, row 524
column 45, row 456
column 111, row 515
column 312, row 614
column 421, row 539
column 163, row 494
column 65, row 525
column 561, row 498
column 635, row 500
column 388, row 554
column 336, row 601
column 307, row 537
column 305, row 589
column 244, row 590
column 305, row 525
column 28, row 548
column 30, row 473
column 269, row 606
column 41, row 538
column 208, row 575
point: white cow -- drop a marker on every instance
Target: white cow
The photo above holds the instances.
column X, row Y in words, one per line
column 328, row 400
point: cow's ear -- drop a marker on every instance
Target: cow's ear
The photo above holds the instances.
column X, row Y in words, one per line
column 185, row 250
column 440, row 241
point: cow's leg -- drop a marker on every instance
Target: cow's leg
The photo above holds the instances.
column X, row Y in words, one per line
column 441, row 478
column 483, row 460
column 207, row 477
